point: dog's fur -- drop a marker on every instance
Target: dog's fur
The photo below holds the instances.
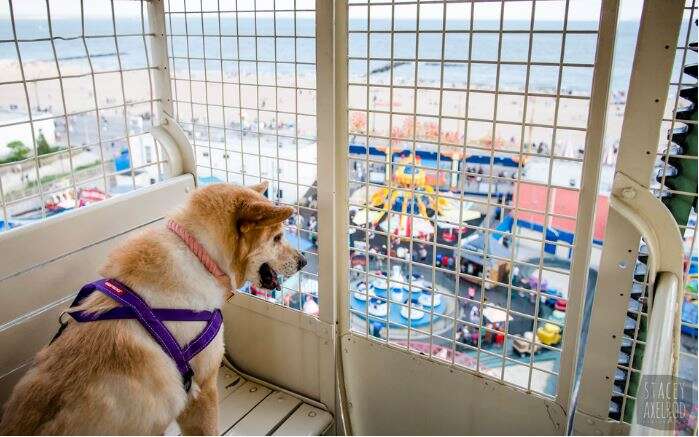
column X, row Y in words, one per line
column 111, row 377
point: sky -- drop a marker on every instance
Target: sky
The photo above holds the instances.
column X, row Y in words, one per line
column 579, row 9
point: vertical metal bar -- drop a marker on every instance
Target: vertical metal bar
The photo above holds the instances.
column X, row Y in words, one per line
column 149, row 70
column 257, row 111
column 439, row 168
column 275, row 177
column 462, row 183
column 589, row 187
column 206, row 88
column 191, row 99
column 652, row 67
column 325, row 110
column 296, row 135
column 226, row 156
column 240, row 94
column 328, row 287
column 413, row 146
column 515, row 186
column 549, row 190
column 491, row 163
column 29, row 109
column 94, row 91
column 123, row 98
column 155, row 11
column 389, row 158
column 366, row 185
column 63, row 101
column 340, row 185
column 340, row 180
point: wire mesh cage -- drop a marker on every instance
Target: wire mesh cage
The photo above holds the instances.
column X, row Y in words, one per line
column 76, row 105
column 244, row 90
column 467, row 128
column 674, row 181
column 467, row 132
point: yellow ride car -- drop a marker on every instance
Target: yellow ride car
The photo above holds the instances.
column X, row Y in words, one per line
column 549, row 334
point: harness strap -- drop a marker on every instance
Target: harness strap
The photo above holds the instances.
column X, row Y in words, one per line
column 205, row 337
column 145, row 315
column 134, row 307
column 165, row 314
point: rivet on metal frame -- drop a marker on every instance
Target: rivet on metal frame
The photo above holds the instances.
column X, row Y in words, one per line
column 628, row 193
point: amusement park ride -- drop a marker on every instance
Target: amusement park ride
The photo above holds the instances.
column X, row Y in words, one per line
column 481, row 259
column 409, row 207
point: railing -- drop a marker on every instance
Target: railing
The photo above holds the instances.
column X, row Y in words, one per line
column 658, row 228
column 77, row 104
column 626, row 322
column 188, row 112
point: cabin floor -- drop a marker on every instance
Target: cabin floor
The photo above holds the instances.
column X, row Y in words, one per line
column 249, row 408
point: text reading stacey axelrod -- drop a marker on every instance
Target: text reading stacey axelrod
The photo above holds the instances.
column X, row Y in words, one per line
column 664, row 402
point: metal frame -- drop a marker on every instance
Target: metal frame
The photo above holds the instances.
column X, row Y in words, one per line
column 683, row 58
column 60, row 76
column 594, row 149
column 178, row 148
column 341, row 223
column 658, row 228
column 650, row 75
column 327, row 191
column 181, row 159
column 332, row 329
column 198, row 25
column 211, row 98
column 589, row 186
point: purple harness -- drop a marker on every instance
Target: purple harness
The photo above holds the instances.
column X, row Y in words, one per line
column 134, row 307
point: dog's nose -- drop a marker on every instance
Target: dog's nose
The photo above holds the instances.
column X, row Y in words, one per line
column 301, row 262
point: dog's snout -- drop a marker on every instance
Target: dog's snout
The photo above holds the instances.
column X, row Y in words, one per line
column 301, row 263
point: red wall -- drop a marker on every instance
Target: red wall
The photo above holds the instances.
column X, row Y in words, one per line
column 563, row 202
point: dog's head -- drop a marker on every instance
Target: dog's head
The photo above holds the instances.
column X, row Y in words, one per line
column 247, row 232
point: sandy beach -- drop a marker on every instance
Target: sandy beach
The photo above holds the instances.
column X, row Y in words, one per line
column 286, row 112
column 481, row 105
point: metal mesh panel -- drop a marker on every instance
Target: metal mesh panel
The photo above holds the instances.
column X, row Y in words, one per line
column 76, row 105
column 467, row 129
column 244, row 90
column 674, row 157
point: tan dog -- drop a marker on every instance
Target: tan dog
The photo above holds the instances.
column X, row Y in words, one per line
column 111, row 377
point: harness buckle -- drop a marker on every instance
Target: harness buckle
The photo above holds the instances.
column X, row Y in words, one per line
column 62, row 325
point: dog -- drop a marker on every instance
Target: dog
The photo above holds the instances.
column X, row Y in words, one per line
column 111, row 376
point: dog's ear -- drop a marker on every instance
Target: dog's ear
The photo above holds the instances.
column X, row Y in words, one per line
column 261, row 187
column 260, row 213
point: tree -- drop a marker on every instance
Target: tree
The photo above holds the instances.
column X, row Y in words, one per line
column 358, row 123
column 42, row 146
column 18, row 152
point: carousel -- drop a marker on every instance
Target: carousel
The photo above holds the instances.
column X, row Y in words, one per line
column 411, row 205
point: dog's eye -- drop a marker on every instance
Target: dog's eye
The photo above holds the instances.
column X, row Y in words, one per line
column 278, row 238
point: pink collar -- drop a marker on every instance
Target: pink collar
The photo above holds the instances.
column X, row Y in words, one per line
column 200, row 252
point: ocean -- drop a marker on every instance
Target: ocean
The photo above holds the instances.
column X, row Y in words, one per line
column 580, row 49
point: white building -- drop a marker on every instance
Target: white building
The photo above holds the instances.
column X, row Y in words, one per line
column 18, row 131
